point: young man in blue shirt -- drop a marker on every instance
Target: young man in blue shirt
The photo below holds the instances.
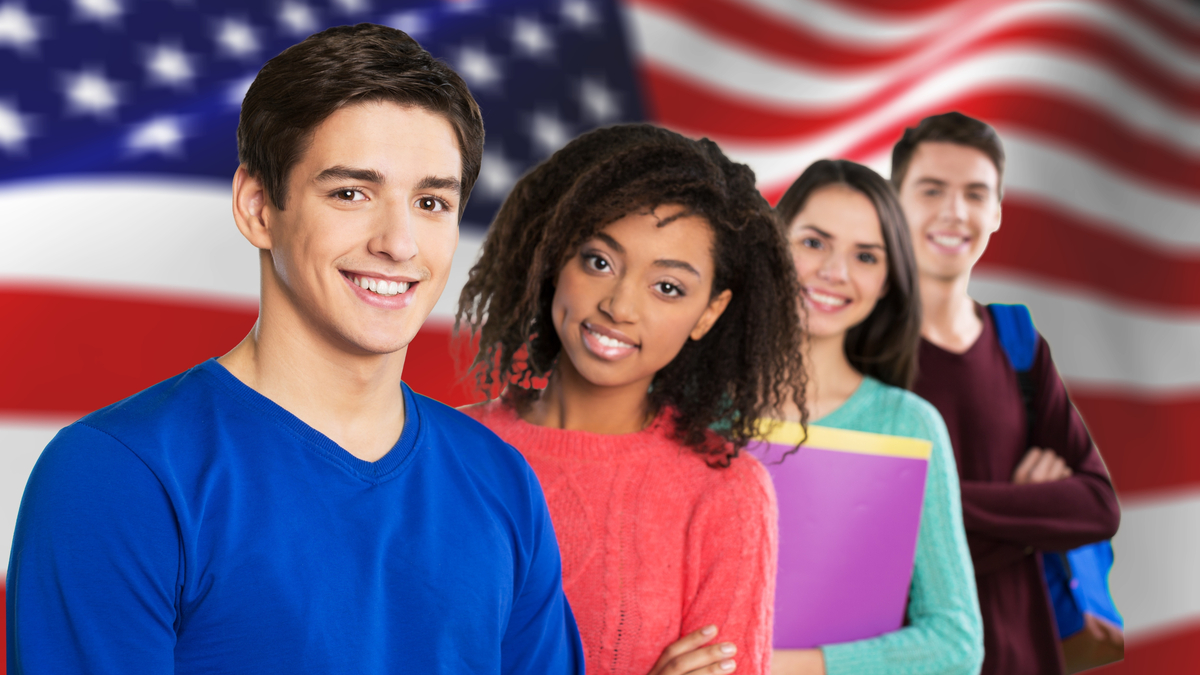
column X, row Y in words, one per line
column 292, row 506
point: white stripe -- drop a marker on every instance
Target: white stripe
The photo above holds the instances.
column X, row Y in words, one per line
column 21, row 441
column 168, row 238
column 697, row 55
column 1157, row 554
column 949, row 27
column 1036, row 167
column 1102, row 343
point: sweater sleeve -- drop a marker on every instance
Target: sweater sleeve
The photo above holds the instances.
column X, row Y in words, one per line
column 945, row 631
column 1052, row 516
column 93, row 577
column 732, row 550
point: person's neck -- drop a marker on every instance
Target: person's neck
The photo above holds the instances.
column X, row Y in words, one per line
column 831, row 378
column 948, row 317
column 353, row 399
column 570, row 401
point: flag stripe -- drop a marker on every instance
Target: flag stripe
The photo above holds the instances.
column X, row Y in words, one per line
column 1091, row 336
column 1118, row 39
column 709, row 62
column 1040, row 240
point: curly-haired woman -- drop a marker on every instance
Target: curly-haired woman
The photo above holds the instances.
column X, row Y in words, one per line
column 643, row 280
column 854, row 259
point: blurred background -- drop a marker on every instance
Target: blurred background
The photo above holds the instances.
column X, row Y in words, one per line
column 120, row 264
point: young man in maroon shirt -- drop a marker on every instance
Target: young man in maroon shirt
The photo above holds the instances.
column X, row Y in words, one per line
column 1025, row 489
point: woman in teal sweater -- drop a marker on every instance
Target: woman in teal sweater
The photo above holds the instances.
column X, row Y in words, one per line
column 854, row 259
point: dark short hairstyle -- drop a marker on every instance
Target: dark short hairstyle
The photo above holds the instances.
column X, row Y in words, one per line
column 742, row 370
column 951, row 127
column 345, row 65
column 885, row 344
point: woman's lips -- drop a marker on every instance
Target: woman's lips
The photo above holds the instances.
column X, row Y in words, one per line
column 607, row 344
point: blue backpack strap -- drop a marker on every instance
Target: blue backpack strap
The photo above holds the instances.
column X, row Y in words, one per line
column 1018, row 337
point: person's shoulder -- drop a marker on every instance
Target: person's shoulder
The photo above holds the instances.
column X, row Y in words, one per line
column 467, row 432
column 168, row 407
column 903, row 412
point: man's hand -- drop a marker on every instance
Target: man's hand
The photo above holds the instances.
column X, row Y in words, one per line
column 1040, row 466
column 689, row 656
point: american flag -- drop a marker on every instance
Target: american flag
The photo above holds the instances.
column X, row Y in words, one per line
column 120, row 265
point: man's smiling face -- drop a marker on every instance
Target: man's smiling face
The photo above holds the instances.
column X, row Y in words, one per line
column 363, row 249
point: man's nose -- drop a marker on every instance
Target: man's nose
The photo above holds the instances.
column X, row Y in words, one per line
column 394, row 235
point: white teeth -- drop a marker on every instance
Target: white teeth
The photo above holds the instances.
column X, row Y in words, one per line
column 608, row 341
column 382, row 287
column 362, row 282
column 373, row 284
column 826, row 299
column 402, row 287
column 943, row 240
column 392, row 286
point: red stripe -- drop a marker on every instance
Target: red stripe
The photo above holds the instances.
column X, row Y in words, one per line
column 72, row 353
column 1040, row 241
column 1171, row 653
column 697, row 111
column 1148, row 443
column 759, row 32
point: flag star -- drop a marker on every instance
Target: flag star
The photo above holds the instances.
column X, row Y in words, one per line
column 236, row 92
column 236, row 38
column 15, row 128
column 100, row 11
column 297, row 18
column 548, row 132
column 599, row 103
column 497, row 175
column 531, row 38
column 478, row 68
column 169, row 65
column 89, row 92
column 414, row 23
column 18, row 28
column 353, row 6
column 580, row 14
column 162, row 135
column 464, row 6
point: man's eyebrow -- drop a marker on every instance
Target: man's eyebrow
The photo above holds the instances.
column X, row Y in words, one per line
column 340, row 172
column 440, row 183
column 935, row 181
column 612, row 243
column 677, row 265
column 979, row 186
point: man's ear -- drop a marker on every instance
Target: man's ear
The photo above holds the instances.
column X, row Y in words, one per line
column 716, row 307
column 250, row 207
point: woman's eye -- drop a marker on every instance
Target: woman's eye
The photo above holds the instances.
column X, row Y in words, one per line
column 596, row 262
column 868, row 258
column 668, row 288
column 431, row 204
column 811, row 242
column 349, row 195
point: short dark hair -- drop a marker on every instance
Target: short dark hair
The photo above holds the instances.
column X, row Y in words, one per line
column 885, row 344
column 307, row 82
column 951, row 127
column 748, row 363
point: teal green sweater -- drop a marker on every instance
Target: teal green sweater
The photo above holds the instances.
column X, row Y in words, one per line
column 945, row 632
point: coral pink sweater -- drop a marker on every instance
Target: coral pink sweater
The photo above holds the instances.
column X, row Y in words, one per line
column 655, row 543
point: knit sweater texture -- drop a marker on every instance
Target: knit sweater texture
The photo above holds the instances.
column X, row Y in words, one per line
column 944, row 632
column 655, row 542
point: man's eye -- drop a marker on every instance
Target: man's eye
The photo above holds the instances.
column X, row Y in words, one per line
column 349, row 195
column 431, row 204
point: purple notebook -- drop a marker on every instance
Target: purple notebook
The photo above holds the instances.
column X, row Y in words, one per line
column 849, row 511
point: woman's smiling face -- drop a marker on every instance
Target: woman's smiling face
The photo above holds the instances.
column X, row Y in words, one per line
column 837, row 246
column 627, row 302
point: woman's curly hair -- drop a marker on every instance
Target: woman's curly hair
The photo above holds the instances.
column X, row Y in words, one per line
column 742, row 370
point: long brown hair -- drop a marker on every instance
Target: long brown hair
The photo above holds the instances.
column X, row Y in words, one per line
column 743, row 369
column 885, row 344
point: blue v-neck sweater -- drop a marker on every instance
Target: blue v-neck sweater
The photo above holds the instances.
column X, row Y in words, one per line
column 197, row 527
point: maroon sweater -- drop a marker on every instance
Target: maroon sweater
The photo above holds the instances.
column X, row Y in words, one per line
column 976, row 392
